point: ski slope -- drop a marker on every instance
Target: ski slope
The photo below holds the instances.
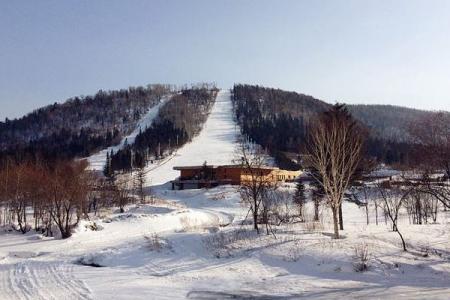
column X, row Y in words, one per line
column 215, row 144
column 98, row 160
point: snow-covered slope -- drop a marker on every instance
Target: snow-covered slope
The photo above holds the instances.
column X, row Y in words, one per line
column 98, row 160
column 215, row 144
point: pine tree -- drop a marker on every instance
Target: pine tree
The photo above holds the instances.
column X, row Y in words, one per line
column 317, row 196
column 299, row 198
column 107, row 167
column 140, row 184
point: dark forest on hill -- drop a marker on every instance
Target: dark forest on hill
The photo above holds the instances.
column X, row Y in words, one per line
column 78, row 127
column 178, row 121
column 278, row 120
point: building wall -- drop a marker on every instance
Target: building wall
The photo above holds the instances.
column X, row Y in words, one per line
column 285, row 175
column 188, row 173
column 229, row 174
column 236, row 175
column 264, row 175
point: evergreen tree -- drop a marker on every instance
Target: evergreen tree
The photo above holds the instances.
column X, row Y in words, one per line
column 299, row 198
column 140, row 182
column 107, row 167
column 317, row 196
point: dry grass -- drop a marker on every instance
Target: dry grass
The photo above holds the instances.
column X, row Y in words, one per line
column 155, row 243
column 192, row 224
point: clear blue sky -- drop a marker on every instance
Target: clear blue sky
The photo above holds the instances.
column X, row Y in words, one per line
column 392, row 52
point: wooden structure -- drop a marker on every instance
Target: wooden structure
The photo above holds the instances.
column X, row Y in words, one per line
column 193, row 177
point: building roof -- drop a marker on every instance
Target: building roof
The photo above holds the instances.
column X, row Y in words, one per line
column 179, row 168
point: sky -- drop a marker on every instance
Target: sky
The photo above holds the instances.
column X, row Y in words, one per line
column 371, row 52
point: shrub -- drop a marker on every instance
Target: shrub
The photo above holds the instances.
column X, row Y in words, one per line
column 156, row 243
column 362, row 257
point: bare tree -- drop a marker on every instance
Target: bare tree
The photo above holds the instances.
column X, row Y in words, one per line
column 120, row 191
column 362, row 196
column 431, row 136
column 19, row 200
column 281, row 209
column 393, row 199
column 335, row 151
column 67, row 192
column 254, row 184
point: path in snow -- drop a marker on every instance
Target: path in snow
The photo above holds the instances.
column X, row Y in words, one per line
column 41, row 280
column 215, row 144
column 98, row 160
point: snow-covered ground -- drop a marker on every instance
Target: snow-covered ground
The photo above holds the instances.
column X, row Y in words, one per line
column 97, row 161
column 192, row 244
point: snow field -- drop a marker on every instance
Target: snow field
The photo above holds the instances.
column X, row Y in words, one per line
column 300, row 261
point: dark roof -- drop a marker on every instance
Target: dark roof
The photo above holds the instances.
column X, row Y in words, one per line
column 218, row 166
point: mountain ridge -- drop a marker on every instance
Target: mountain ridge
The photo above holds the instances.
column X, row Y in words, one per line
column 81, row 126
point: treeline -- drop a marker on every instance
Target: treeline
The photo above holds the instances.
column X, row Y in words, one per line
column 57, row 194
column 52, row 198
column 178, row 121
column 79, row 126
column 280, row 121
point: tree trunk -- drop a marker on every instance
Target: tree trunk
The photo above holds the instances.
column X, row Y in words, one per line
column 367, row 213
column 336, row 222
column 341, row 219
column 255, row 215
column 403, row 241
column 316, row 210
column 376, row 214
column 255, row 221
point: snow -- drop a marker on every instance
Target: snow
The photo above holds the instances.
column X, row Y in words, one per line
column 169, row 249
column 97, row 161
column 215, row 144
column 300, row 262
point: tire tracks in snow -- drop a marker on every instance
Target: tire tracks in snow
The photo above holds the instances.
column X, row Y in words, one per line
column 41, row 280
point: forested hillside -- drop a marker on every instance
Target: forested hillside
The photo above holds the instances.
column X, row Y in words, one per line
column 79, row 126
column 178, row 121
column 388, row 122
column 278, row 120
